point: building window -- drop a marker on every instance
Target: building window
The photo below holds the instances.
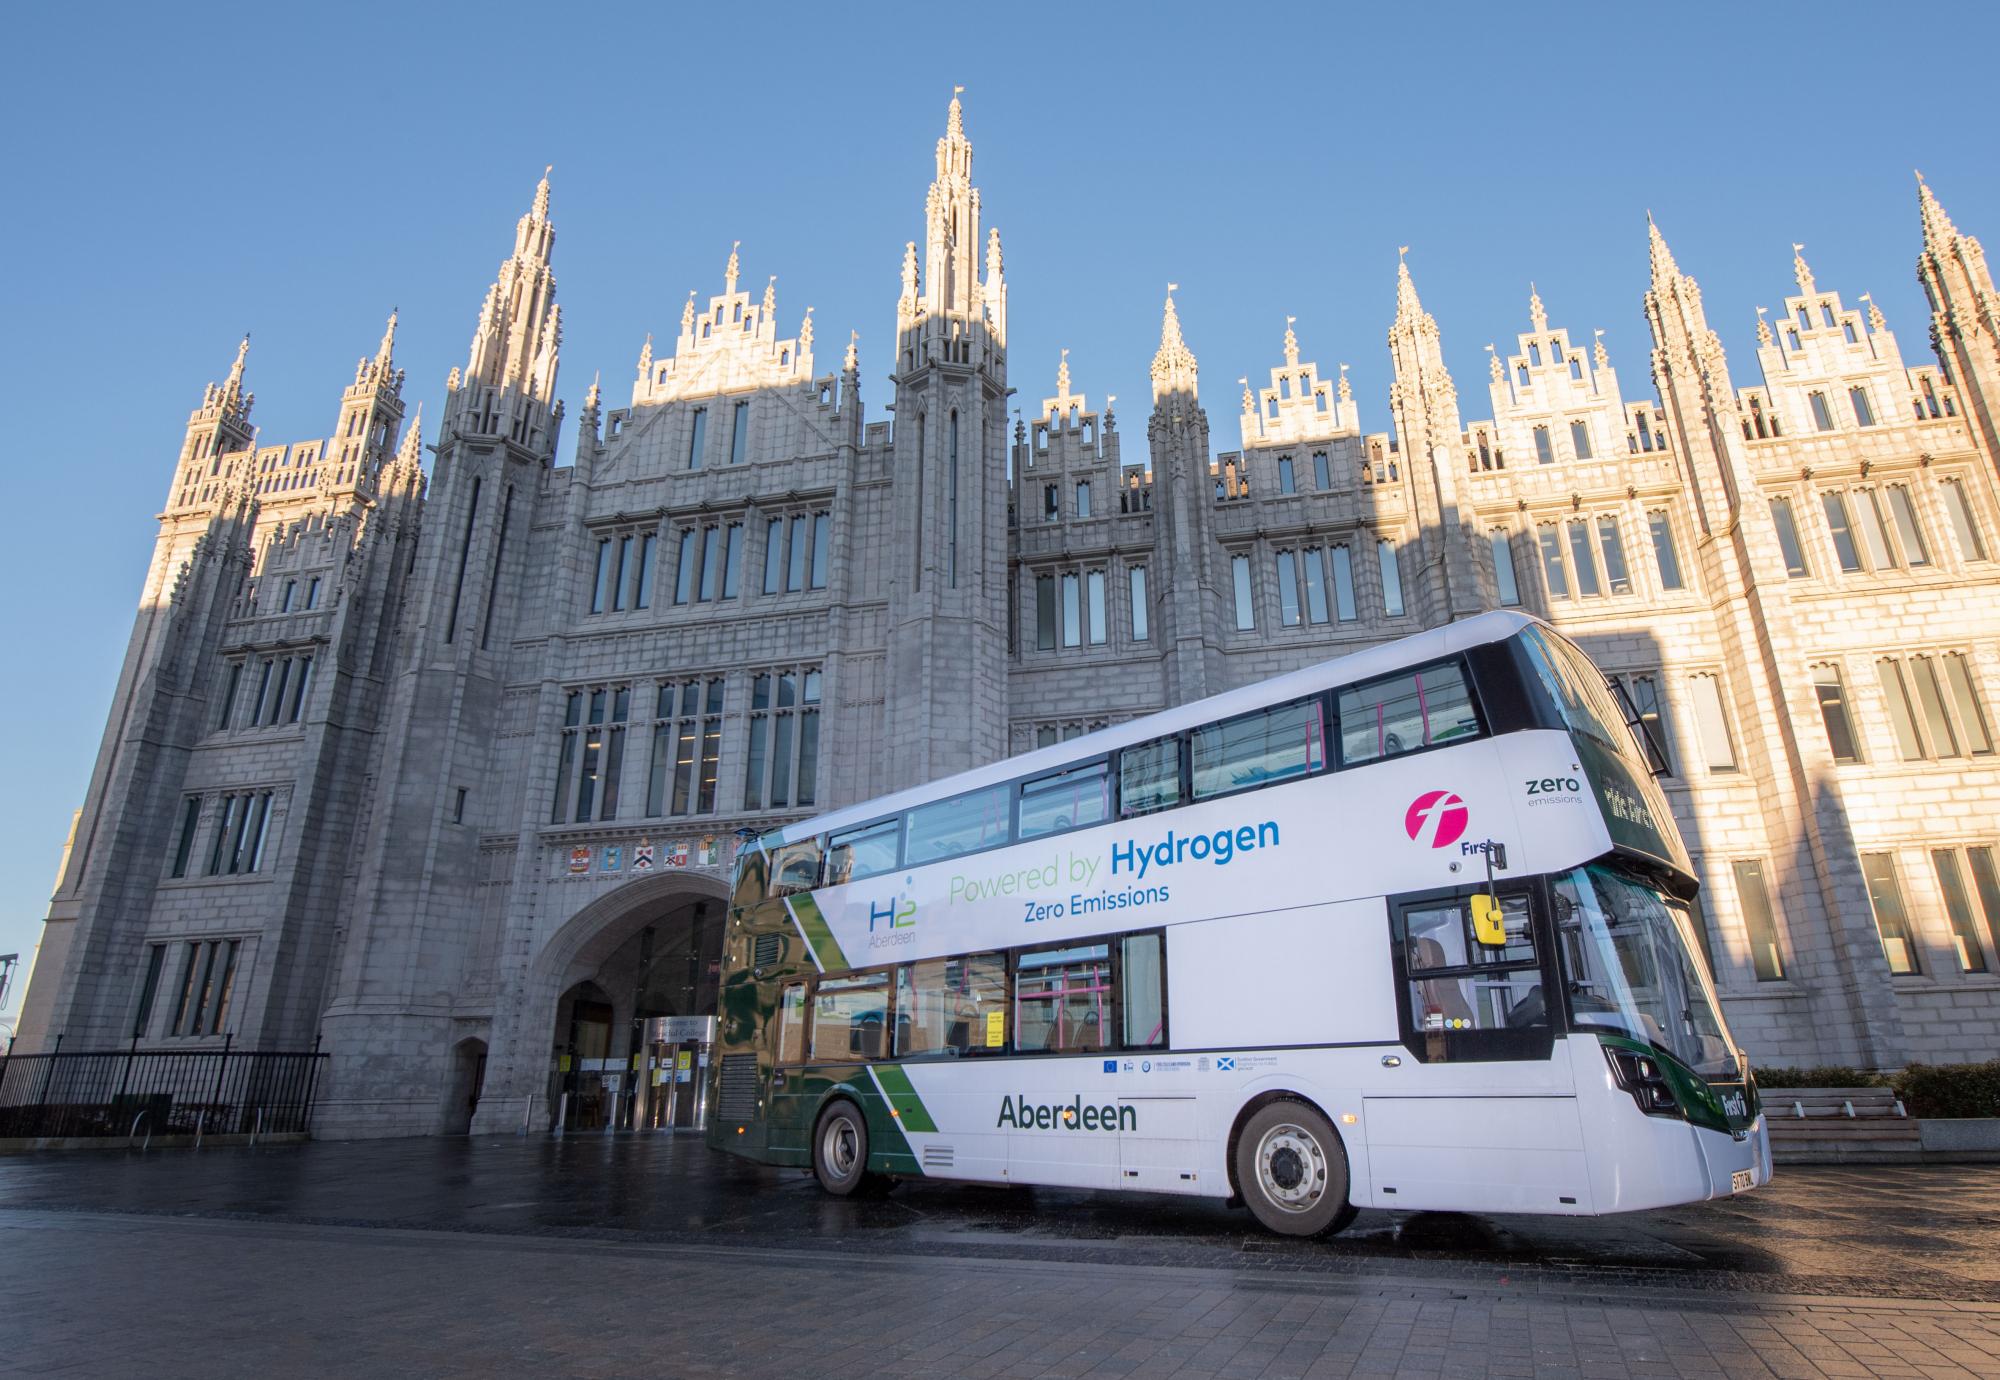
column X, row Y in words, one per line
column 155, row 958
column 1947, row 719
column 1392, row 579
column 1503, row 568
column 1885, row 894
column 1553, row 570
column 1045, row 612
column 1788, row 538
column 1822, row 415
column 458, row 806
column 1664, row 554
column 600, row 585
column 1579, row 432
column 685, row 567
column 1909, row 536
column 312, row 593
column 1093, row 605
column 1986, row 885
column 797, row 564
column 739, row 433
column 1874, row 536
column 1759, row 921
column 1072, row 610
column 1083, row 498
column 1545, row 451
column 208, row 979
column 642, row 580
column 1322, row 471
column 1833, row 713
column 1966, row 945
column 291, row 593
column 1585, row 564
column 697, row 437
column 592, row 756
column 1958, row 505
column 1287, row 481
column 1841, row 530
column 1712, row 723
column 1646, row 702
column 1864, row 415
column 190, row 817
column 687, row 730
column 1051, row 503
column 1612, row 546
column 1288, row 590
column 240, row 834
column 1315, row 585
column 1135, row 578
column 230, row 687
column 299, row 688
column 1246, row 613
column 783, row 759
column 822, row 530
column 1344, row 606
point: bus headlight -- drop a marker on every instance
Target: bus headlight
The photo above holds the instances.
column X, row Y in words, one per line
column 1641, row 1075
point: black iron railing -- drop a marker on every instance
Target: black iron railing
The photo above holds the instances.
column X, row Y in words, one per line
column 150, row 1093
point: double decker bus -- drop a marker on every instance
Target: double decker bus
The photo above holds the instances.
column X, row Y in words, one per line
column 1408, row 929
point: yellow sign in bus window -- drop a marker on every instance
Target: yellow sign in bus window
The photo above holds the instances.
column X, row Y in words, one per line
column 996, row 1028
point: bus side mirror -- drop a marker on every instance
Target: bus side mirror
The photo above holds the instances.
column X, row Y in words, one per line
column 1488, row 925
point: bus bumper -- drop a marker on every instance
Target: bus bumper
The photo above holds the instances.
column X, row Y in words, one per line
column 1735, row 1166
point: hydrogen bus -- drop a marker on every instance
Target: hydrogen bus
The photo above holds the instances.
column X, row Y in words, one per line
column 1408, row 929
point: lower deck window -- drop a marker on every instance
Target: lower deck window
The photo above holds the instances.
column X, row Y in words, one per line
column 1062, row 1000
column 1458, row 984
column 952, row 1006
column 850, row 1016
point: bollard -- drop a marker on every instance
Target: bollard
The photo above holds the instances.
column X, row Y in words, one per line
column 562, row 1113
column 527, row 1115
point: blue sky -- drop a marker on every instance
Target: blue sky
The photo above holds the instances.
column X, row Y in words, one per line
column 179, row 177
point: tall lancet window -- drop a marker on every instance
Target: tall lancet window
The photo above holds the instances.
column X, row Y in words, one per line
column 951, row 503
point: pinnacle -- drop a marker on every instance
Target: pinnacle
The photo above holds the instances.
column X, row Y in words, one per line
column 954, row 125
column 1800, row 272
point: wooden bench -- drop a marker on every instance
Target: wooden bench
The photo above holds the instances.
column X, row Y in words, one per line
column 1838, row 1123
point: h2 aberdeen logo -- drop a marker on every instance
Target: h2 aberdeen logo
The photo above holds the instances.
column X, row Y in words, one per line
column 1437, row 818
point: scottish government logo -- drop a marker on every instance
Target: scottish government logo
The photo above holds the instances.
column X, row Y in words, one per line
column 1437, row 818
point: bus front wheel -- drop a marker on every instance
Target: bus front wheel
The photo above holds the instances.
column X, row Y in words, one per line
column 840, row 1150
column 1291, row 1170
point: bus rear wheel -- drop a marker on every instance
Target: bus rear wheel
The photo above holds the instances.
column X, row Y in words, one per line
column 1292, row 1171
column 840, row 1150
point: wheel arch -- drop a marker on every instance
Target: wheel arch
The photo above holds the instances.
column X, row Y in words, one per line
column 1256, row 1103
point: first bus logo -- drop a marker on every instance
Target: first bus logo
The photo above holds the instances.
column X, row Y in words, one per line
column 1437, row 818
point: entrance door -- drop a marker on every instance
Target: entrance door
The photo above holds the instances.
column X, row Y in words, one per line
column 675, row 1072
column 591, row 1077
column 1475, row 1113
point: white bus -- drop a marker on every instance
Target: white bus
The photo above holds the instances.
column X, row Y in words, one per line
column 1408, row 929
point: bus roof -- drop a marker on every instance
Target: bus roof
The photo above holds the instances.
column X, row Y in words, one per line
column 1340, row 670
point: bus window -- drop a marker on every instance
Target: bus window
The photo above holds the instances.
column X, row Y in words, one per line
column 795, row 867
column 792, row 1024
column 951, row 1006
column 963, row 824
column 1142, row 992
column 1405, row 712
column 1577, row 688
column 1065, row 800
column 859, row 853
column 1062, row 1000
column 1258, row 749
column 849, row 1016
column 1458, row 984
column 1149, row 777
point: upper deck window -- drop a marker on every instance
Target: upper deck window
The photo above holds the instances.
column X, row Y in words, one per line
column 963, row 824
column 1577, row 689
column 1149, row 777
column 865, row 852
column 1259, row 749
column 1401, row 713
column 1066, row 800
column 795, row 867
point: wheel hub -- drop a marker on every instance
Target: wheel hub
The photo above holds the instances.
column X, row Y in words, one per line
column 1291, row 1168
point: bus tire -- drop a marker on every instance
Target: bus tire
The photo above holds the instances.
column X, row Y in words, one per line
column 1292, row 1170
column 840, row 1150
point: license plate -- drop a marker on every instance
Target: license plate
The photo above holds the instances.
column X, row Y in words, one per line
column 1741, row 1180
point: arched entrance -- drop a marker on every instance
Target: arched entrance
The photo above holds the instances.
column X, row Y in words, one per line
column 633, row 980
column 468, row 1080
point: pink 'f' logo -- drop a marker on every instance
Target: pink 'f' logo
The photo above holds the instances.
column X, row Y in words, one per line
column 1441, row 813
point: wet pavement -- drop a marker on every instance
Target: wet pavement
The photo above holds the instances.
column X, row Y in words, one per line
column 1917, row 1232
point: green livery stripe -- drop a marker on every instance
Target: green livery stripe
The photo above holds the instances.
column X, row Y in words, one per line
column 902, row 1097
column 813, row 926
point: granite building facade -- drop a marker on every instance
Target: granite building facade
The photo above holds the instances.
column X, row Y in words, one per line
column 445, row 769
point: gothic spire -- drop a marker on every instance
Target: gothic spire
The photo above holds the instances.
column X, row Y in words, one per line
column 386, row 352
column 771, row 297
column 1291, row 344
column 412, row 450
column 1408, row 307
column 954, row 119
column 540, row 210
column 1538, row 318
column 1800, row 272
column 731, row 270
column 1664, row 267
column 1938, row 229
column 1062, row 374
column 1174, row 368
column 232, row 387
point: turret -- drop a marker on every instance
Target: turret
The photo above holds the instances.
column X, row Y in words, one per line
column 508, row 385
column 1965, row 316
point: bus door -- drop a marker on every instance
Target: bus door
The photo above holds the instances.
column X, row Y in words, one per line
column 1474, row 1112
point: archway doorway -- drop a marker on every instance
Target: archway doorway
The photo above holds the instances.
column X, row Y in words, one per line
column 635, row 1014
column 468, row 1080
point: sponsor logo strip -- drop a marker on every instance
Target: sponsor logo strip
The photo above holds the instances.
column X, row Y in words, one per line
column 826, row 949
column 895, row 1087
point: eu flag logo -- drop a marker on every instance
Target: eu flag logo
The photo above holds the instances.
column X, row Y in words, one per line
column 1226, row 1064
column 1111, row 1066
